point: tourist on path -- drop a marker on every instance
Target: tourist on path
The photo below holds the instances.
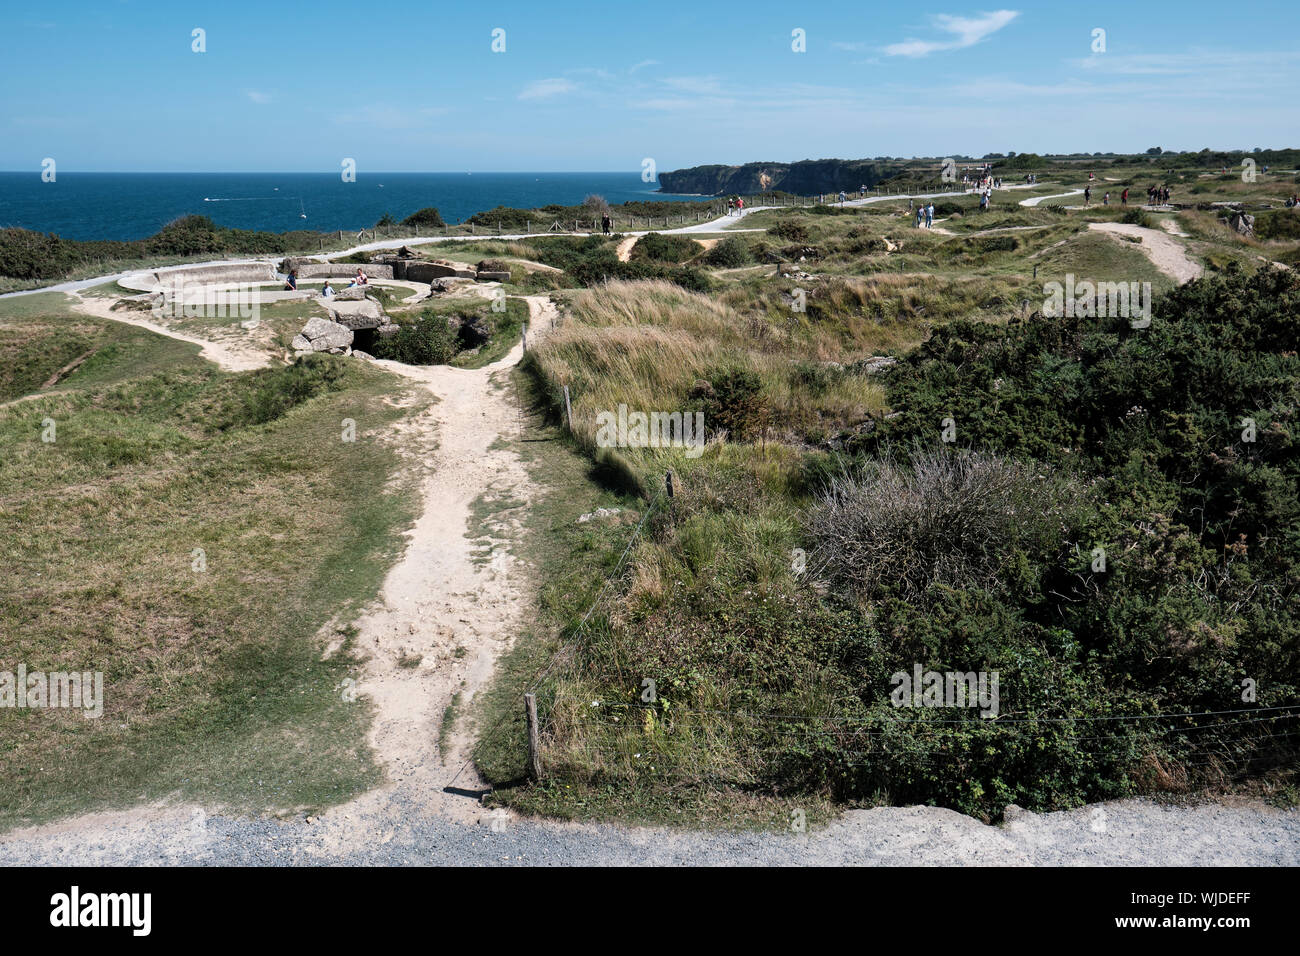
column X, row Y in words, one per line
column 1123, row 197
column 929, row 216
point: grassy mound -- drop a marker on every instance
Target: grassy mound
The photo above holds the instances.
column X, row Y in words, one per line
column 189, row 533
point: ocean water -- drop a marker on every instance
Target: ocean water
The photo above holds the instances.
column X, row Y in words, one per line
column 135, row 205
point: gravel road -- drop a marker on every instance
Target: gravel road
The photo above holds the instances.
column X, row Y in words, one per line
column 1122, row 833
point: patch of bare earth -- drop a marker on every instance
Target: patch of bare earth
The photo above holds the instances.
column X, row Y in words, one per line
column 449, row 607
column 1165, row 252
column 229, row 355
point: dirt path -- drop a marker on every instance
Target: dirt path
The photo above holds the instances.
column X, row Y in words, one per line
column 1165, row 252
column 229, row 357
column 450, row 606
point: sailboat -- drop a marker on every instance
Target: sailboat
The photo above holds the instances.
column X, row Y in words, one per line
column 303, row 209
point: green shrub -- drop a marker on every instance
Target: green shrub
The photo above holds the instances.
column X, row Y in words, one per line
column 733, row 401
column 732, row 252
column 428, row 216
column 274, row 392
column 657, row 247
column 790, row 230
column 428, row 340
column 1278, row 224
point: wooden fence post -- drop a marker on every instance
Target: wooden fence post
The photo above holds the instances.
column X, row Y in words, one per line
column 568, row 409
column 534, row 739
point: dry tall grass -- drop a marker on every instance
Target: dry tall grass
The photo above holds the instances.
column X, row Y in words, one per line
column 647, row 344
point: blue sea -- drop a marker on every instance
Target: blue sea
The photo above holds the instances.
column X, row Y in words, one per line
column 135, row 205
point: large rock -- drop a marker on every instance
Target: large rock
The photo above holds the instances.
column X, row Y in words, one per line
column 321, row 335
column 354, row 314
column 1243, row 223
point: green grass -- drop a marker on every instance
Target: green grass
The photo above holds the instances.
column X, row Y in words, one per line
column 505, row 333
column 217, row 688
column 571, row 561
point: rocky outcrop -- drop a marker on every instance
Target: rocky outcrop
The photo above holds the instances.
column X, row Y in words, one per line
column 805, row 178
column 1243, row 223
column 357, row 314
column 322, row 335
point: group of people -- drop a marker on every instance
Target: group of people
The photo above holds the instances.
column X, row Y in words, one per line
column 735, row 206
column 924, row 211
column 327, row 290
column 1158, row 196
column 1292, row 201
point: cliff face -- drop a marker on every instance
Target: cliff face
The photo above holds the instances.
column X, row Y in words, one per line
column 806, row 177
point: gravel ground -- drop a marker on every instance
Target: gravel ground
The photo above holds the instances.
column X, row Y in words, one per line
column 1122, row 833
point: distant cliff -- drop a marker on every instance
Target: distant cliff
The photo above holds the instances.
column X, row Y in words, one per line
column 805, row 178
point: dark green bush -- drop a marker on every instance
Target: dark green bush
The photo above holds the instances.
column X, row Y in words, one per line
column 428, row 340
column 732, row 252
column 428, row 216
column 657, row 247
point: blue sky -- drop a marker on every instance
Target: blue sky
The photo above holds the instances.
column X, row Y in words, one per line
column 114, row 85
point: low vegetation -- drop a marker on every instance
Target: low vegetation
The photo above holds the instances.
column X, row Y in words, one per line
column 1072, row 503
column 199, row 537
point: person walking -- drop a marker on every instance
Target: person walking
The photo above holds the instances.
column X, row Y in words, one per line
column 604, row 223
column 1087, row 193
column 1123, row 197
column 1105, row 200
column 929, row 216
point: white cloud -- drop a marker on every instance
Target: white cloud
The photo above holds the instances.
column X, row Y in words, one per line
column 544, row 89
column 965, row 31
column 259, row 97
column 643, row 64
column 701, row 85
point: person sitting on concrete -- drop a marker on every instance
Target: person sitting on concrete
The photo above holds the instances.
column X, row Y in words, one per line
column 291, row 283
